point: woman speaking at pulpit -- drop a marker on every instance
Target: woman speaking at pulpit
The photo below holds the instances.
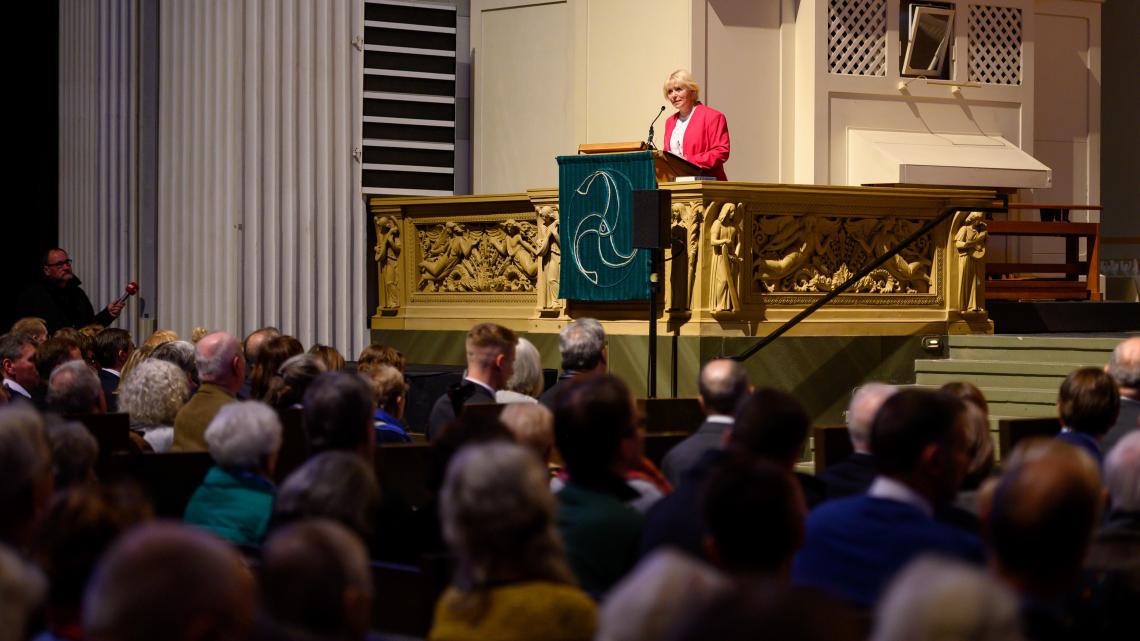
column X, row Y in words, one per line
column 696, row 132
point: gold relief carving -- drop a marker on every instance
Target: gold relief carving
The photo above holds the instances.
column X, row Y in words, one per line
column 809, row 253
column 724, row 245
column 970, row 242
column 550, row 258
column 477, row 257
column 387, row 256
column 684, row 250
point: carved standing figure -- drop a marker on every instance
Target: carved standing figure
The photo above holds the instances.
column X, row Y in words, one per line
column 549, row 255
column 970, row 241
column 724, row 241
column 516, row 248
column 388, row 248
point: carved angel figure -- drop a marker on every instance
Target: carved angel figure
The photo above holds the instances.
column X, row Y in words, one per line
column 724, row 242
column 516, row 248
column 888, row 232
column 970, row 241
column 388, row 248
column 794, row 241
column 549, row 255
column 447, row 256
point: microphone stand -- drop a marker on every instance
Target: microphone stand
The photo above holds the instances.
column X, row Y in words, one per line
column 661, row 111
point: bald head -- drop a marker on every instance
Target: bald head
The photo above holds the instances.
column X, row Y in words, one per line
column 219, row 360
column 1042, row 519
column 1124, row 367
column 722, row 384
column 169, row 581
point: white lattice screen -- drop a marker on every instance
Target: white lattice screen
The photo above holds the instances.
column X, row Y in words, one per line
column 857, row 37
column 995, row 45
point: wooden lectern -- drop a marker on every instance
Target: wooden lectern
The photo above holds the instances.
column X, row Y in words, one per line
column 668, row 166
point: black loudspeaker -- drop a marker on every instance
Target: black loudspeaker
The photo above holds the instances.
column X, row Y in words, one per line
column 650, row 218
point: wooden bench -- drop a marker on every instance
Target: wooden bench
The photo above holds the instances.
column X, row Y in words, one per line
column 831, row 445
column 404, row 596
column 1063, row 282
column 168, row 479
column 1012, row 430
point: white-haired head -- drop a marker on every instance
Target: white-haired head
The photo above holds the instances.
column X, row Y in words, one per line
column 244, row 435
column 865, row 403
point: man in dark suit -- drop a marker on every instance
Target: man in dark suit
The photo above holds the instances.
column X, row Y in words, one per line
column 1124, row 368
column 490, row 363
column 582, row 344
column 722, row 384
column 854, row 474
column 854, row 546
column 21, row 378
column 58, row 298
column 113, row 346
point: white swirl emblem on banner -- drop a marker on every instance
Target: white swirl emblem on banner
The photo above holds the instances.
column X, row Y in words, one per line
column 601, row 225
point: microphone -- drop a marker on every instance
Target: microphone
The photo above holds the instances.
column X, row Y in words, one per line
column 661, row 111
column 131, row 289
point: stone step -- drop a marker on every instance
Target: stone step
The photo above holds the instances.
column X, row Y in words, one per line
column 1076, row 358
column 1000, row 341
column 990, row 380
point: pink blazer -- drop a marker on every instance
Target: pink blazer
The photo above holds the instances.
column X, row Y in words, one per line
column 706, row 139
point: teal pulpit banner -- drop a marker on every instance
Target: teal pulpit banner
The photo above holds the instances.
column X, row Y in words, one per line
column 595, row 225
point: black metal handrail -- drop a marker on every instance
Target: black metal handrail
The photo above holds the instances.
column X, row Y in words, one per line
column 870, row 267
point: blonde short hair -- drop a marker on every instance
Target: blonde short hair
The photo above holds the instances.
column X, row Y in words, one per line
column 685, row 79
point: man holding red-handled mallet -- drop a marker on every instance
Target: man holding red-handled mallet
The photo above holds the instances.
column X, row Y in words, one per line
column 61, row 302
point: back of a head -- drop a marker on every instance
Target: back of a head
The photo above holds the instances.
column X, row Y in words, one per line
column 1124, row 366
column 468, row 429
column 54, row 352
column 22, row 587
column 329, row 355
column 74, row 389
column 657, row 595
column 1088, row 401
column 532, row 425
column 288, row 385
column 967, row 392
column 244, row 436
column 581, row 343
column 315, row 577
column 527, row 378
column 979, row 447
column 334, row 485
column 497, row 514
column 181, row 354
column 73, row 452
column 781, row 612
column 270, row 357
column 591, row 418
column 485, row 341
column 168, row 581
column 377, row 354
column 214, row 356
column 865, row 403
column 770, row 424
column 1042, row 518
column 754, row 510
column 109, row 344
column 338, row 412
column 1122, row 473
column 153, row 392
column 388, row 385
column 934, row 599
column 722, row 384
column 255, row 339
column 25, row 470
column 907, row 423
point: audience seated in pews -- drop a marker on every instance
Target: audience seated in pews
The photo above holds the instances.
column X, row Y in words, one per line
column 1041, row 521
column 1124, row 368
column 75, row 389
column 722, row 385
column 21, row 379
column 582, row 346
column 526, row 383
column 316, row 584
column 221, row 369
column 169, row 581
column 81, row 524
column 289, row 383
column 25, row 474
column 152, row 395
column 273, row 353
column 333, row 360
column 855, row 545
column 934, row 599
column 657, row 595
column 235, row 500
column 390, row 395
column 338, row 411
column 511, row 579
column 73, row 452
column 855, row 474
column 596, row 432
column 1088, row 404
column 113, row 347
column 490, row 364
column 770, row 425
column 336, row 485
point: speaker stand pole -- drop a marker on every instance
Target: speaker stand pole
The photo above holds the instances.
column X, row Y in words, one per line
column 653, row 286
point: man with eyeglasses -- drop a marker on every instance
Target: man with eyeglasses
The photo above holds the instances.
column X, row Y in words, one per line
column 59, row 300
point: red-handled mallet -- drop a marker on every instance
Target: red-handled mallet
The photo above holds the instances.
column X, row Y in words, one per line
column 131, row 290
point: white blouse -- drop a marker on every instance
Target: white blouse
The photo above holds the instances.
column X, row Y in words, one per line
column 677, row 140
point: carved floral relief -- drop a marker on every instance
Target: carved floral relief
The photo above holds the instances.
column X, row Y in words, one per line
column 811, row 253
column 496, row 256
